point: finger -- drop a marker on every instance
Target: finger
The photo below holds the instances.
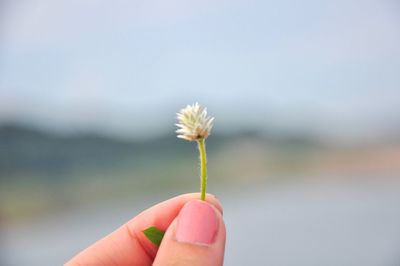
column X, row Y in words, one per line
column 196, row 237
column 128, row 245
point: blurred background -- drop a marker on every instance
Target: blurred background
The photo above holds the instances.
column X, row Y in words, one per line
column 305, row 152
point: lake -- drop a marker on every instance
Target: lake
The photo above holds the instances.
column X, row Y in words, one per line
column 283, row 224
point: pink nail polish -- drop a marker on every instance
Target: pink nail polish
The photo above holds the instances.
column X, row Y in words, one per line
column 197, row 223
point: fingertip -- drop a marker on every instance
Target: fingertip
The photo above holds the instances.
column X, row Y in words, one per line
column 215, row 202
column 210, row 198
column 196, row 237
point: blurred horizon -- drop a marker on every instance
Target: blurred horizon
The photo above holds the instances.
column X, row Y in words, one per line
column 36, row 165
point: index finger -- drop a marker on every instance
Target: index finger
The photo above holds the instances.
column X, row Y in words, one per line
column 128, row 245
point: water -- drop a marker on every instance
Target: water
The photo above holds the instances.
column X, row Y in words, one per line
column 280, row 225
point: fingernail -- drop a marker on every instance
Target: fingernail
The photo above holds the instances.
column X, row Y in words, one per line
column 197, row 223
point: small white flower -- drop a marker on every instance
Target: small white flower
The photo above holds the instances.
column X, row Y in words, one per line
column 193, row 123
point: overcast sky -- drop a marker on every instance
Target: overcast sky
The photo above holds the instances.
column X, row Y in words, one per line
column 126, row 67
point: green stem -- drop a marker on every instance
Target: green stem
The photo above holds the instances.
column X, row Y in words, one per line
column 203, row 167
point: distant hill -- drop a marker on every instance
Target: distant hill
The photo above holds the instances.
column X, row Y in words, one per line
column 25, row 150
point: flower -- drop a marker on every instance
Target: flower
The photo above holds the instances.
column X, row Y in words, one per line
column 193, row 123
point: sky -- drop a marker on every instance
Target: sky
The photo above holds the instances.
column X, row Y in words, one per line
column 125, row 68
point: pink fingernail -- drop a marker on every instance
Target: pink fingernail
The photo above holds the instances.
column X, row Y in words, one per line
column 197, row 223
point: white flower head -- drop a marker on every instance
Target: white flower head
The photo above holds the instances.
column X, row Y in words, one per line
column 193, row 123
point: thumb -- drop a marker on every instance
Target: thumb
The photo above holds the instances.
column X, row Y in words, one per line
column 195, row 237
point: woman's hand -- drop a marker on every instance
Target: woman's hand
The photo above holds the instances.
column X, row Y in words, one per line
column 195, row 235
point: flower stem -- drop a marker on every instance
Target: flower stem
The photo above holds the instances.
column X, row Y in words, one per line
column 203, row 168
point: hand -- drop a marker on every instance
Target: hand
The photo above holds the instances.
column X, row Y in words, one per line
column 195, row 235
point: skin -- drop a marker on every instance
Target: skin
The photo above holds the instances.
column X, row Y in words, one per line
column 128, row 245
